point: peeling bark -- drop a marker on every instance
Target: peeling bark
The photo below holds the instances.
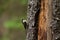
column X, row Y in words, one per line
column 42, row 28
column 43, row 20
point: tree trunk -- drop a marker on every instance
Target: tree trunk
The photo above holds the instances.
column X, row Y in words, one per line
column 43, row 20
column 32, row 14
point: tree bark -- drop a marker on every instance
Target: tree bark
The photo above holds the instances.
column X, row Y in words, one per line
column 42, row 28
column 55, row 23
column 32, row 14
column 43, row 20
column 45, row 17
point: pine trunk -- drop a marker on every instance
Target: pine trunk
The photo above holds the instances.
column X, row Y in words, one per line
column 32, row 14
column 43, row 20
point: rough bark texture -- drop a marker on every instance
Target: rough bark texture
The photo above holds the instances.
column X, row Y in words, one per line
column 33, row 10
column 55, row 23
column 47, row 21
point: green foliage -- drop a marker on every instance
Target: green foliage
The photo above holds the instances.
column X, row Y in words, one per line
column 13, row 24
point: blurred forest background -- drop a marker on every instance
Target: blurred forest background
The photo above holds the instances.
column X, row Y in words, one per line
column 11, row 13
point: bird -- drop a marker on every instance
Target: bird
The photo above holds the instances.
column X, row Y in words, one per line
column 24, row 22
